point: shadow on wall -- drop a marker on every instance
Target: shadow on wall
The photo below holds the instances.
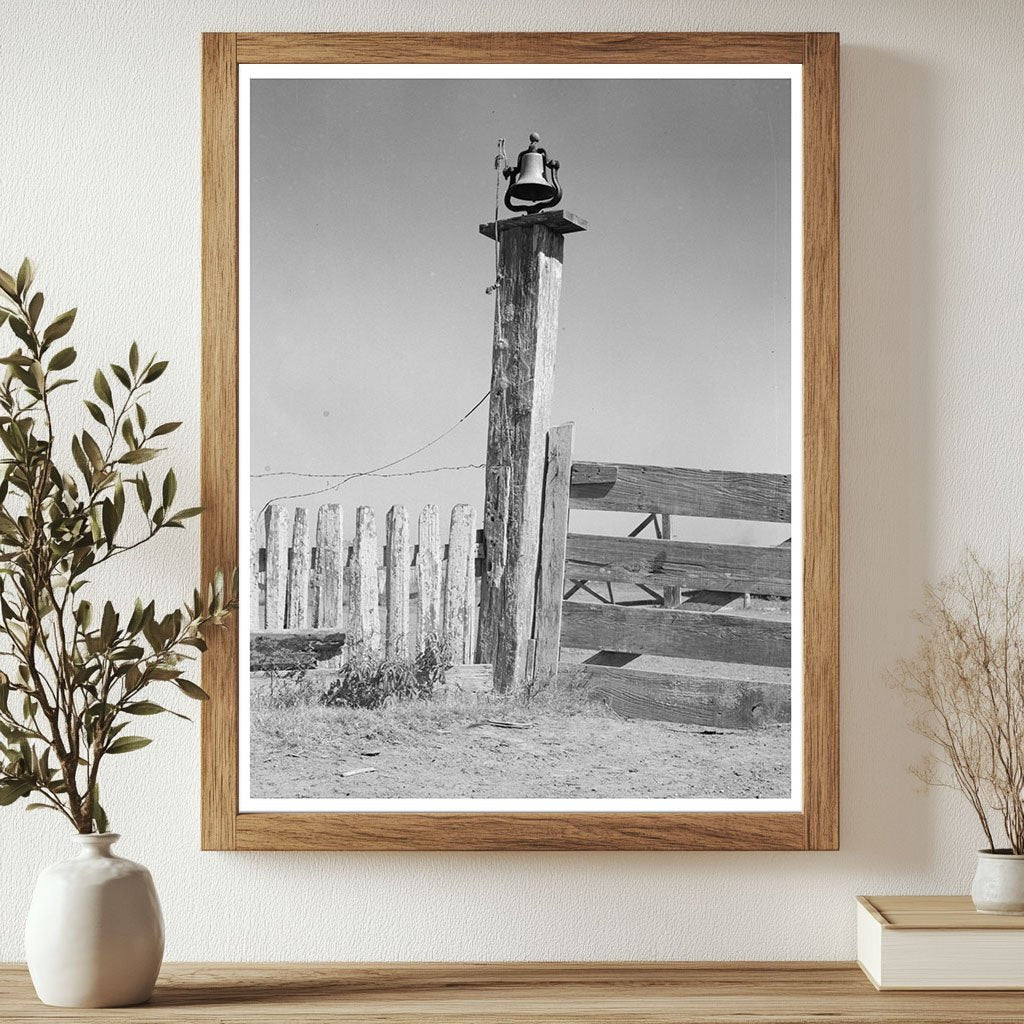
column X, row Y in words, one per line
column 650, row 904
column 887, row 283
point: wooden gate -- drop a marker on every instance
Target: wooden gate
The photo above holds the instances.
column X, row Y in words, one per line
column 689, row 580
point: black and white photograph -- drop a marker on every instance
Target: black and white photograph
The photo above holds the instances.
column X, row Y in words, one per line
column 520, row 437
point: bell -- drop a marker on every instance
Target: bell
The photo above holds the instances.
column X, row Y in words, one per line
column 529, row 182
column 531, row 186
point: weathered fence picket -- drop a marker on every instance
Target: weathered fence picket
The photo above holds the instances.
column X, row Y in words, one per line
column 330, row 568
column 428, row 571
column 396, row 582
column 460, row 584
column 365, row 624
column 297, row 607
column 299, row 590
column 277, row 566
column 255, row 610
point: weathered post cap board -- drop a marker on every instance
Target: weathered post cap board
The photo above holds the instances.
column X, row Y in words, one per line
column 558, row 220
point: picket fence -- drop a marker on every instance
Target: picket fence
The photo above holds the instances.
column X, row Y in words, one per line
column 310, row 591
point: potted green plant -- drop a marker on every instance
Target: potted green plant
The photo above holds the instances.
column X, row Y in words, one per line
column 967, row 682
column 82, row 672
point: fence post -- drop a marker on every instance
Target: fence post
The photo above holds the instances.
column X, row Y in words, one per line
column 672, row 596
column 297, row 607
column 523, row 357
column 396, row 583
column 365, row 618
column 277, row 566
column 428, row 568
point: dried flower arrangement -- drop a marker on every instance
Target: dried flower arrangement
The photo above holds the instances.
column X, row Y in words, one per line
column 967, row 680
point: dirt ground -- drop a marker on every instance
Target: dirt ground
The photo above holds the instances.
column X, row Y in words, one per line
column 568, row 749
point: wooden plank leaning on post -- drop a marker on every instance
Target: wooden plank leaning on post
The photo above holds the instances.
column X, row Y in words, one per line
column 547, row 628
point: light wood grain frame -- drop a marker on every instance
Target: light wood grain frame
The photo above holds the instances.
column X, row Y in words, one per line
column 817, row 826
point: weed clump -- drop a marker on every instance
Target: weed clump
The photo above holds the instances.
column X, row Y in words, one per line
column 370, row 679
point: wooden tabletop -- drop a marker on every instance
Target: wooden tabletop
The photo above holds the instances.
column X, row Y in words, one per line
column 660, row 993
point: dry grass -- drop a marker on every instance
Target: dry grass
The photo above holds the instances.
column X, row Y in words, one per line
column 433, row 749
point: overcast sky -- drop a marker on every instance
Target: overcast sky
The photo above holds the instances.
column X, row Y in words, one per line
column 371, row 329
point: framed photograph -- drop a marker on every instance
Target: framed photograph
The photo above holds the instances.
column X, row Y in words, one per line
column 521, row 422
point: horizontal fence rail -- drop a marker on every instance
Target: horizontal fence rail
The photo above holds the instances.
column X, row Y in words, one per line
column 683, row 698
column 731, row 568
column 307, row 600
column 703, row 636
column 688, row 586
column 714, row 494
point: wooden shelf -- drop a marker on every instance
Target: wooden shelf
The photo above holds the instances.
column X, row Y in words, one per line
column 657, row 993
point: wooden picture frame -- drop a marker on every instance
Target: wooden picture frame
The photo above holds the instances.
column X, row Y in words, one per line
column 816, row 826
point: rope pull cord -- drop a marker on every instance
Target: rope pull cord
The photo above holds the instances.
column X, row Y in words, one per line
column 500, row 379
column 500, row 167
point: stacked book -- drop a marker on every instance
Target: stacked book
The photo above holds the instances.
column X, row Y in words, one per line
column 938, row 942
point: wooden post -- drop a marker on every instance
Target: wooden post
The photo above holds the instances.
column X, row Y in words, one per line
column 523, row 361
column 673, row 596
column 396, row 583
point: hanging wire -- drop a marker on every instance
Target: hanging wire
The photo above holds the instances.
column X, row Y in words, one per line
column 335, row 476
column 500, row 385
column 377, row 469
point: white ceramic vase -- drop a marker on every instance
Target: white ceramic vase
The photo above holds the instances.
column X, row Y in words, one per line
column 999, row 883
column 95, row 934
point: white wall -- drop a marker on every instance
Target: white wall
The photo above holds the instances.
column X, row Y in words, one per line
column 99, row 181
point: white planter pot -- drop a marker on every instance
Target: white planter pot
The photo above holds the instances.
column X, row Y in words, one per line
column 999, row 883
column 95, row 934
